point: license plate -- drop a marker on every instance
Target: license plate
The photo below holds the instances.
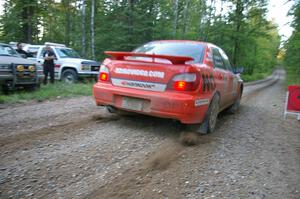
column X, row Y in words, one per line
column 132, row 103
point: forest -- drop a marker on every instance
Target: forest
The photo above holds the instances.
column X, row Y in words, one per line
column 240, row 27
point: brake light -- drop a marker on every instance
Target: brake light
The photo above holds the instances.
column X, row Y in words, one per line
column 104, row 74
column 180, row 85
column 184, row 82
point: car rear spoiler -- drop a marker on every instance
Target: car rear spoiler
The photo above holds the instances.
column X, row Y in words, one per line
column 173, row 59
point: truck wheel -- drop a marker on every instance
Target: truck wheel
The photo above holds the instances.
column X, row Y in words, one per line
column 235, row 106
column 5, row 90
column 209, row 123
column 69, row 76
column 30, row 88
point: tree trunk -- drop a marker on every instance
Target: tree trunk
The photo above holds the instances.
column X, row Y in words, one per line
column 185, row 18
column 238, row 20
column 83, row 29
column 27, row 27
column 210, row 16
column 30, row 13
column 93, row 28
column 202, row 13
column 175, row 22
column 130, row 24
column 67, row 22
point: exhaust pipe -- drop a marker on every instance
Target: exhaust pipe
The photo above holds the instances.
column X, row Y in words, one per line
column 111, row 109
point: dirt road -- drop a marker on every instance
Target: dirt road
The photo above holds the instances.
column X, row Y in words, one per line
column 70, row 148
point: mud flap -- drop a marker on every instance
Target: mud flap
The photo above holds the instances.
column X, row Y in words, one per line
column 203, row 127
column 199, row 128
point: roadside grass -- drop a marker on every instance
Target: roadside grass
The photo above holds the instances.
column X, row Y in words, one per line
column 50, row 91
column 255, row 76
column 292, row 77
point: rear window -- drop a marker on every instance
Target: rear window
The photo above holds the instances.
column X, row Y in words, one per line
column 194, row 50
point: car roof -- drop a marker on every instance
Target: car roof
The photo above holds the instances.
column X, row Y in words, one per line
column 187, row 41
column 43, row 46
column 181, row 41
column 29, row 45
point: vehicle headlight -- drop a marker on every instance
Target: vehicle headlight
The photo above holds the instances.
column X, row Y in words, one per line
column 20, row 68
column 85, row 67
column 31, row 68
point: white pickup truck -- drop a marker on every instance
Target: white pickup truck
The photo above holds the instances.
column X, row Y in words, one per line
column 69, row 67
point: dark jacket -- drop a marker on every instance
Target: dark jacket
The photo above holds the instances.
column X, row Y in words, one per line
column 51, row 61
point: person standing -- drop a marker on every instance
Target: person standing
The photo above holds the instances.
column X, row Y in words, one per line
column 49, row 58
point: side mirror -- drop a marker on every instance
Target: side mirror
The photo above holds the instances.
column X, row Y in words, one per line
column 238, row 70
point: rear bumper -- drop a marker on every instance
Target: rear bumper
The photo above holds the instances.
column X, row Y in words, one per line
column 180, row 106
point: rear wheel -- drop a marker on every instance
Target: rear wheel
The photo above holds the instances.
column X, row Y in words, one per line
column 209, row 123
column 69, row 76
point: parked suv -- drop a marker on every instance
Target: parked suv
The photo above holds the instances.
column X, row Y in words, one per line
column 16, row 71
column 69, row 66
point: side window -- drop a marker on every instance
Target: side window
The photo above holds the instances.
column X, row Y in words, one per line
column 226, row 60
column 33, row 51
column 42, row 53
column 218, row 61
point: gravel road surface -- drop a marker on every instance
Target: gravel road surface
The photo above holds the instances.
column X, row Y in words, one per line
column 70, row 148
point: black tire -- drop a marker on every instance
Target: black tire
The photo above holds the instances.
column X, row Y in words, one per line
column 5, row 90
column 209, row 123
column 30, row 88
column 69, row 76
column 235, row 106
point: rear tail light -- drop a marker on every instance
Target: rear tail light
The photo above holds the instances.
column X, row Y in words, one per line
column 184, row 82
column 104, row 74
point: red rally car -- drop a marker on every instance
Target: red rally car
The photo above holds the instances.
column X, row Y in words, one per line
column 188, row 81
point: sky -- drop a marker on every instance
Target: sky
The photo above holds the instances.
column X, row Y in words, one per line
column 278, row 10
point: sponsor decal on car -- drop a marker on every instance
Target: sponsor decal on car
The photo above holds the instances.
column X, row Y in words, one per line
column 139, row 72
column 139, row 85
column 200, row 102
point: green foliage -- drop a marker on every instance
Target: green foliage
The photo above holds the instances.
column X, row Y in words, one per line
column 57, row 90
column 292, row 56
column 20, row 21
column 255, row 76
column 243, row 31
